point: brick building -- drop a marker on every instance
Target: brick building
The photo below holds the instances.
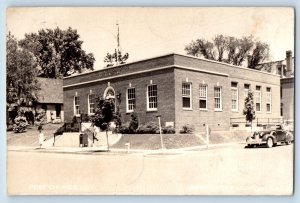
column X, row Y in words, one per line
column 285, row 69
column 182, row 89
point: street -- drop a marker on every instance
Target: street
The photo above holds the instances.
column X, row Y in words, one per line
column 233, row 170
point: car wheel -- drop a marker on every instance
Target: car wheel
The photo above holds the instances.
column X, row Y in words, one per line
column 288, row 142
column 270, row 142
column 249, row 145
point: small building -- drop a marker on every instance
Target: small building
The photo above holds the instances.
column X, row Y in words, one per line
column 184, row 90
column 50, row 99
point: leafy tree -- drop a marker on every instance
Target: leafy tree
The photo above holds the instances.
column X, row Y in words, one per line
column 230, row 50
column 249, row 110
column 260, row 53
column 104, row 114
column 58, row 52
column 116, row 58
column 21, row 82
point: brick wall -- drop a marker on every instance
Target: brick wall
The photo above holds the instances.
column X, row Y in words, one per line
column 217, row 120
column 287, row 99
column 164, row 79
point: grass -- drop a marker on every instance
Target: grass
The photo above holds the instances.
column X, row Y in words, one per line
column 30, row 137
column 152, row 141
column 174, row 141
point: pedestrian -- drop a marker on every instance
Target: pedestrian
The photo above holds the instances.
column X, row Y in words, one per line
column 41, row 136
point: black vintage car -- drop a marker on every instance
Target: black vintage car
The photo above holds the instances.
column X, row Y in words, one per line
column 270, row 137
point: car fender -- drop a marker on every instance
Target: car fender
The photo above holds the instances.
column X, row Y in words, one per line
column 266, row 136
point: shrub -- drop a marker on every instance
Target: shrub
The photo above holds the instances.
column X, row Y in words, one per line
column 124, row 129
column 187, row 129
column 20, row 124
column 149, row 128
column 40, row 117
column 168, row 130
column 134, row 123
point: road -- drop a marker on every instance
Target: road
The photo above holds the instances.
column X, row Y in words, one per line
column 228, row 170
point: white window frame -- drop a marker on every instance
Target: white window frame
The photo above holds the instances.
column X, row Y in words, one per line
column 148, row 102
column 89, row 104
column 127, row 100
column 74, row 105
column 203, row 98
column 269, row 99
column 237, row 97
column 187, row 96
column 256, row 93
column 218, row 109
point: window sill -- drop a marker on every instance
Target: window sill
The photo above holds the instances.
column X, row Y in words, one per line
column 187, row 109
column 218, row 110
column 269, row 112
column 151, row 110
column 128, row 112
column 203, row 109
column 234, row 111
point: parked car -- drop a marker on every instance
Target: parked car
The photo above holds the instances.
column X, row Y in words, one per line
column 270, row 137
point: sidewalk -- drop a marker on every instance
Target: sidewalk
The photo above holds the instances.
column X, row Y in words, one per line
column 97, row 150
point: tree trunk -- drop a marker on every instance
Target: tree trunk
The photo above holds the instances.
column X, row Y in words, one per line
column 107, row 141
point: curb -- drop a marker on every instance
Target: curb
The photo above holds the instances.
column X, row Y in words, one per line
column 117, row 151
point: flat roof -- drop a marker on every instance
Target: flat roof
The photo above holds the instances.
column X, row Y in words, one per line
column 169, row 54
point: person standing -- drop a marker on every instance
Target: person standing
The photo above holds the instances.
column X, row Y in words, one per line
column 41, row 136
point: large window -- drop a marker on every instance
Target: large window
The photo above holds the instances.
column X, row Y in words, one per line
column 269, row 100
column 187, row 95
column 76, row 106
column 234, row 96
column 203, row 97
column 152, row 98
column 91, row 103
column 130, row 99
column 258, row 98
column 218, row 98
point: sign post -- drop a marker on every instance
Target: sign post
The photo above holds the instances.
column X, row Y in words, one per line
column 161, row 138
column 207, row 136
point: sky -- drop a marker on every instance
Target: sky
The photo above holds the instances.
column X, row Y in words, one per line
column 150, row 32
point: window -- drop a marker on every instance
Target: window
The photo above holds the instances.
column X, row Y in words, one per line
column 76, row 106
column 152, row 98
column 218, row 98
column 234, row 96
column 186, row 95
column 91, row 103
column 246, row 90
column 258, row 98
column 269, row 100
column 203, row 96
column 130, row 99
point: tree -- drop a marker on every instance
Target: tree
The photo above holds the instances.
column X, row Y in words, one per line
column 230, row 50
column 104, row 114
column 249, row 110
column 21, row 82
column 116, row 58
column 58, row 52
column 260, row 54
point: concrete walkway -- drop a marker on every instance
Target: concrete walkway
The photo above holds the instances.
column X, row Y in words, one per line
column 96, row 150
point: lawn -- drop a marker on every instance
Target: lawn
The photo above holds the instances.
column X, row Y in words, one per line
column 30, row 137
column 152, row 141
column 173, row 141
